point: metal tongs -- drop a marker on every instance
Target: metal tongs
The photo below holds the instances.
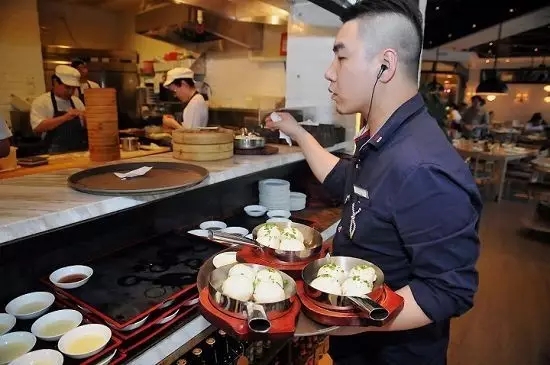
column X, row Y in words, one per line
column 231, row 239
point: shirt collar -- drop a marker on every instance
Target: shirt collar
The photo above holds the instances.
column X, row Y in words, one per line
column 400, row 116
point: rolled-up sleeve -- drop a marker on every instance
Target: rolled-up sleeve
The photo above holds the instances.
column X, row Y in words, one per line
column 437, row 220
column 335, row 181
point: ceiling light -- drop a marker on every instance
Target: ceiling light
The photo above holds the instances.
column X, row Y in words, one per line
column 473, row 25
column 511, row 10
column 437, row 8
column 490, row 43
column 492, row 86
column 547, row 88
column 536, row 49
column 487, row 61
column 450, row 35
column 507, row 60
column 491, row 97
column 547, row 99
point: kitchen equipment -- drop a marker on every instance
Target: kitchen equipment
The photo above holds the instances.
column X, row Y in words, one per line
column 237, row 231
column 368, row 305
column 202, row 144
column 32, row 161
column 266, row 150
column 312, row 240
column 129, row 144
column 102, row 124
column 30, row 305
column 258, row 316
column 249, row 142
column 163, row 177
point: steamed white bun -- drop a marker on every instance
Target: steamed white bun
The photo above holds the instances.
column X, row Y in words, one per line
column 268, row 292
column 292, row 232
column 355, row 287
column 269, row 275
column 364, row 272
column 291, row 244
column 238, row 287
column 269, row 229
column 327, row 284
column 334, row 270
column 268, row 241
column 242, row 270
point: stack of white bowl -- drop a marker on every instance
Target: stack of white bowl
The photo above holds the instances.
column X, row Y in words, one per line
column 275, row 194
column 297, row 201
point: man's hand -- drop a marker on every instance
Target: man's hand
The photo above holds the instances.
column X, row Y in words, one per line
column 169, row 122
column 72, row 113
column 288, row 125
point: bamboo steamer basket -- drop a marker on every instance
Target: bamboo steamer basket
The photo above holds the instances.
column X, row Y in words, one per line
column 102, row 124
column 202, row 144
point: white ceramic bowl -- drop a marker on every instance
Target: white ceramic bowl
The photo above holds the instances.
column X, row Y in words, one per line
column 135, row 325
column 31, row 305
column 278, row 213
column 107, row 359
column 212, row 225
column 224, row 258
column 249, row 236
column 50, row 357
column 7, row 321
column 85, row 334
column 71, row 317
column 58, row 275
column 168, row 318
column 255, row 210
column 198, row 232
column 278, row 220
column 238, row 231
column 24, row 339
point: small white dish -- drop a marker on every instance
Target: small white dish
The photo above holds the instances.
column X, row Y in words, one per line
column 135, row 325
column 278, row 213
column 53, row 325
column 249, row 236
column 255, row 210
column 212, row 225
column 7, row 321
column 237, row 231
column 278, row 220
column 298, row 196
column 168, row 318
column 106, row 359
column 23, row 341
column 84, row 341
column 199, row 232
column 224, row 258
column 49, row 357
column 167, row 304
column 71, row 277
column 31, row 305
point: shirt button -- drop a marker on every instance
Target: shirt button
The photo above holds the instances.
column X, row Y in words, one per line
column 339, row 229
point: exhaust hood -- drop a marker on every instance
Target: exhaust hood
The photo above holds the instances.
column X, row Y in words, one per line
column 184, row 22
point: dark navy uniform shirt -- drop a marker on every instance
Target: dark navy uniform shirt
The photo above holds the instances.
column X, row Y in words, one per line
column 413, row 209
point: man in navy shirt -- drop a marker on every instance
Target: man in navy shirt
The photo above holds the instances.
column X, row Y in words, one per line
column 411, row 204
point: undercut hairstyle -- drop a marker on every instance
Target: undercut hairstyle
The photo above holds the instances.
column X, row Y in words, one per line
column 189, row 82
column 395, row 24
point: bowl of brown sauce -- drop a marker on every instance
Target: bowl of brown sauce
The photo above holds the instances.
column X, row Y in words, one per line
column 71, row 277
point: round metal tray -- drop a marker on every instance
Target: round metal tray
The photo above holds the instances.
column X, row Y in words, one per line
column 304, row 327
column 163, row 177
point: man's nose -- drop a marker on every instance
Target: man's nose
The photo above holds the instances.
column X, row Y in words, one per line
column 330, row 73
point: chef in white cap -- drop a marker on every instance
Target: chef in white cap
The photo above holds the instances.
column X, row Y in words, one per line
column 59, row 116
column 181, row 82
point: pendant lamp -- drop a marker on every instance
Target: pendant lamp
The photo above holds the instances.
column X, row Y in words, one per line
column 493, row 85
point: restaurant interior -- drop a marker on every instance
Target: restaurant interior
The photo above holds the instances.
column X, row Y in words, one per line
column 120, row 269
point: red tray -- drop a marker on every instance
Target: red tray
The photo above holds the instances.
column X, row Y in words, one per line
column 282, row 327
column 388, row 299
column 250, row 255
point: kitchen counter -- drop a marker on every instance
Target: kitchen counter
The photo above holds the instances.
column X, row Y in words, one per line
column 39, row 203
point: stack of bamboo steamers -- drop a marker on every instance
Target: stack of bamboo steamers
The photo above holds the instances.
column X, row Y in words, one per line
column 102, row 124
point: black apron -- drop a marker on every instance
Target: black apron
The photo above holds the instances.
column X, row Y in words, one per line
column 67, row 137
column 81, row 94
column 422, row 346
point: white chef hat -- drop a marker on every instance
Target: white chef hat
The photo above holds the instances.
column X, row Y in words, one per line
column 68, row 75
column 178, row 73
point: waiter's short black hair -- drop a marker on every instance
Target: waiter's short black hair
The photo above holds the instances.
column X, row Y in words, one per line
column 77, row 62
column 394, row 24
column 189, row 82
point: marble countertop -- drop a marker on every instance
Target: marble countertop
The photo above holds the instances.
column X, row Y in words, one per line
column 38, row 203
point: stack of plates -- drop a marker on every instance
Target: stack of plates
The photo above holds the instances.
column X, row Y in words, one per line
column 275, row 194
column 297, row 201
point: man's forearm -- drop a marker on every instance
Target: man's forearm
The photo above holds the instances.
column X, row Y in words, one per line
column 320, row 160
column 50, row 123
column 410, row 317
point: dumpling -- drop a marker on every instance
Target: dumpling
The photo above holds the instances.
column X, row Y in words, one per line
column 238, row 287
column 269, row 275
column 269, row 229
column 291, row 244
column 327, row 284
column 293, row 233
column 334, row 270
column 268, row 292
column 242, row 270
column 268, row 241
column 364, row 272
column 355, row 287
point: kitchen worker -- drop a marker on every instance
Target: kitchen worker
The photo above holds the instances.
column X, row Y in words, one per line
column 5, row 135
column 411, row 205
column 195, row 115
column 58, row 115
column 82, row 67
